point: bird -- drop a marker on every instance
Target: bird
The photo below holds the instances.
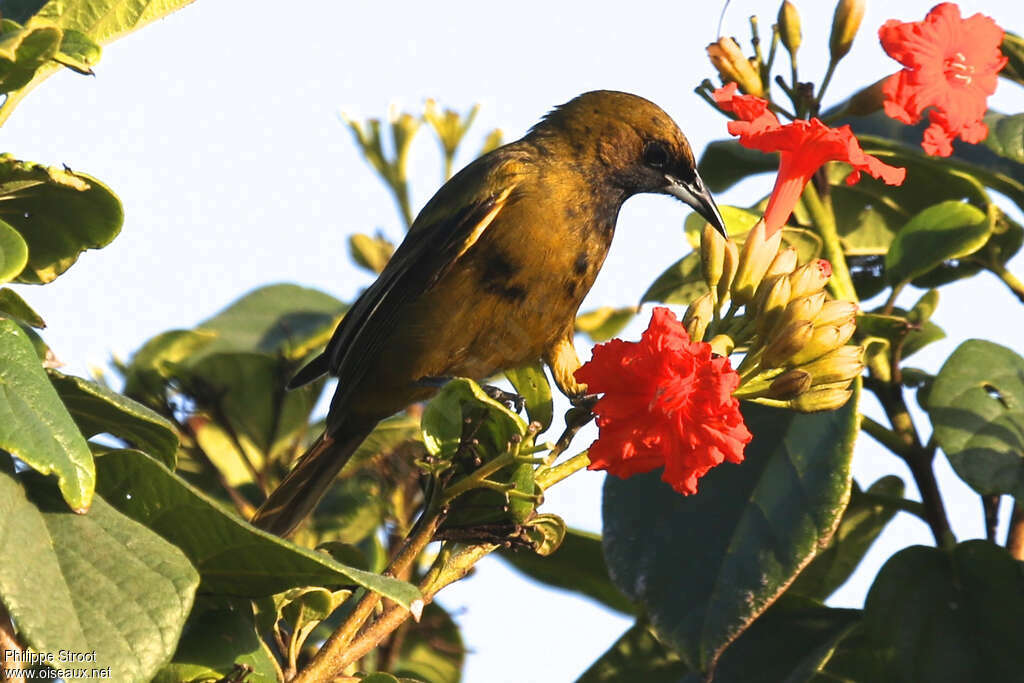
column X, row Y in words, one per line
column 490, row 275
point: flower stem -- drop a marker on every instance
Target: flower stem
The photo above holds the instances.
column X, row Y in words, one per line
column 1015, row 535
column 825, row 220
column 553, row 475
column 829, row 72
column 1011, row 280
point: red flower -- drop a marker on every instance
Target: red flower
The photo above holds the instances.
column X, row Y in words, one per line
column 949, row 64
column 803, row 147
column 667, row 402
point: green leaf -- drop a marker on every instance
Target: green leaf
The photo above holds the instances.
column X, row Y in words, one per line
column 214, row 643
column 107, row 20
column 940, row 616
column 98, row 410
column 636, row 656
column 1013, row 49
column 59, row 214
column 738, row 221
column 432, row 649
column 578, row 565
column 444, row 417
column 947, row 230
column 976, row 406
column 725, row 162
column 276, row 319
column 605, row 322
column 91, row 582
column 531, row 383
column 704, row 566
column 353, row 508
column 681, row 283
column 372, row 253
column 1006, row 135
column 791, row 642
column 13, row 306
column 23, row 51
column 863, row 520
column 13, row 253
column 151, row 366
column 386, row 437
column 78, row 52
column 34, row 424
column 233, row 558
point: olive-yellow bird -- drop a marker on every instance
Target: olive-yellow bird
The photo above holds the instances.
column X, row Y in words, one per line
column 491, row 274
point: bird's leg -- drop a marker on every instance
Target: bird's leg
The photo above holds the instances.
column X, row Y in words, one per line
column 561, row 357
column 511, row 399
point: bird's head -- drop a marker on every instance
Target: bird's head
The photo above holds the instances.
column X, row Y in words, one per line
column 633, row 145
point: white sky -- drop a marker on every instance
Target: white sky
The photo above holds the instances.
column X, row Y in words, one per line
column 218, row 129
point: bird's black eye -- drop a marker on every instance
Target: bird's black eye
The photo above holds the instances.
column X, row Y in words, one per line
column 655, row 155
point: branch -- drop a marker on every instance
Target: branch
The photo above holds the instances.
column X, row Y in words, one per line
column 1015, row 535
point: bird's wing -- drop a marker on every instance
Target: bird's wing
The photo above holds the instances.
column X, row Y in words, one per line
column 448, row 225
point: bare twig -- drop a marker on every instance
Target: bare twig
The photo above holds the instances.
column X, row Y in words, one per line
column 1015, row 535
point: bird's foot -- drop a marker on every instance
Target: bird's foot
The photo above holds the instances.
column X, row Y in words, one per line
column 512, row 400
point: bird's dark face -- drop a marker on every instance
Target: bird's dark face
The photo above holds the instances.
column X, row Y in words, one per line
column 635, row 146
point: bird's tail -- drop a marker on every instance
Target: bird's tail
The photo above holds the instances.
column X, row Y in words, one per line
column 303, row 487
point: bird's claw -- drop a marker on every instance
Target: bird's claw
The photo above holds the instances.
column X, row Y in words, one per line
column 511, row 399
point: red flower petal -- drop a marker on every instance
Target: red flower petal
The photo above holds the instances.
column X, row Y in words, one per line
column 950, row 65
column 666, row 403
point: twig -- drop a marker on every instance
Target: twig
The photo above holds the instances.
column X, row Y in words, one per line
column 990, row 506
column 1015, row 535
column 824, row 219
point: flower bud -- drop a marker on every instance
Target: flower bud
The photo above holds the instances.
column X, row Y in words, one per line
column 825, row 339
column 804, row 309
column 698, row 315
column 789, row 26
column 845, row 23
column 712, row 256
column 733, row 67
column 758, row 253
column 836, row 313
column 722, row 344
column 771, row 306
column 810, row 278
column 841, row 365
column 790, row 384
column 824, row 399
column 789, row 341
column 729, row 265
column 784, row 263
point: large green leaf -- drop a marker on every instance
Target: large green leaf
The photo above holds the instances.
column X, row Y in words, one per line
column 103, row 20
column 233, row 558
column 98, row 582
column 280, row 319
column 461, row 398
column 34, row 424
column 1006, row 135
column 725, row 162
column 941, row 616
column 601, row 324
column 13, row 253
column 214, row 643
column 681, row 283
column 13, row 306
column 577, row 565
column 704, row 566
column 432, row 650
column 59, row 214
column 24, row 50
column 947, row 230
column 863, row 521
column 145, row 377
column 98, row 410
column 976, row 406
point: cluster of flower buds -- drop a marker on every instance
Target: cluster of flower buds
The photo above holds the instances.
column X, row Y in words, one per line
column 794, row 336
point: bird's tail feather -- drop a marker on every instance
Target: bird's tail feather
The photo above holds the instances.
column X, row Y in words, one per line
column 303, row 487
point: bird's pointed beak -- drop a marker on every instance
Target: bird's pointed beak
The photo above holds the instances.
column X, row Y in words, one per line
column 697, row 195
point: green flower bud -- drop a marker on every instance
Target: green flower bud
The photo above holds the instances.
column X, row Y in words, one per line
column 804, row 309
column 818, row 400
column 729, row 265
column 845, row 23
column 789, row 26
column 733, row 67
column 722, row 344
column 698, row 316
column 841, row 365
column 836, row 313
column 784, row 263
column 790, row 384
column 772, row 304
column 825, row 339
column 789, row 341
column 757, row 254
column 810, row 278
column 712, row 256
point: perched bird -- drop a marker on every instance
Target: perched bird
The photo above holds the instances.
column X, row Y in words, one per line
column 491, row 274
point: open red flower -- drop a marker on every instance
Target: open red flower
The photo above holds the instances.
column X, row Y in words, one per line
column 949, row 64
column 667, row 403
column 803, row 147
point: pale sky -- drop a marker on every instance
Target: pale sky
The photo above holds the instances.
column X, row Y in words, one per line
column 218, row 129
